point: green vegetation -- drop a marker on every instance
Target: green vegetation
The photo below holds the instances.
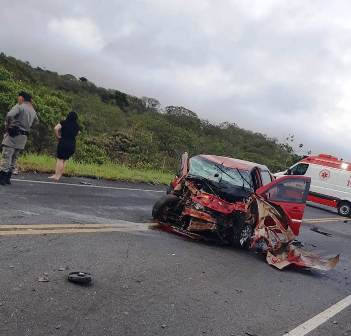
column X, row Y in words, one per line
column 126, row 130
column 108, row 171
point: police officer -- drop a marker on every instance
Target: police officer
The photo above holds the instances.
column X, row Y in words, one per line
column 18, row 123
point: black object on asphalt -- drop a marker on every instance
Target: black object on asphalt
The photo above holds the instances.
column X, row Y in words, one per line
column 81, row 278
column 315, row 229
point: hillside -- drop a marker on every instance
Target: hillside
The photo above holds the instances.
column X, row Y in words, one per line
column 125, row 129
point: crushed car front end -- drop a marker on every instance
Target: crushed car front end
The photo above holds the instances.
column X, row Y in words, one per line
column 212, row 200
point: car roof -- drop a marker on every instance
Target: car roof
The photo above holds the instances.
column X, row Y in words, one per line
column 233, row 163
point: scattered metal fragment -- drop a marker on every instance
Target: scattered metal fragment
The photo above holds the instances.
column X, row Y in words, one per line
column 85, row 183
column 180, row 232
column 81, row 278
column 43, row 278
column 301, row 258
column 317, row 230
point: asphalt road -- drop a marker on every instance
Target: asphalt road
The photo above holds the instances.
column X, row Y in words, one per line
column 148, row 282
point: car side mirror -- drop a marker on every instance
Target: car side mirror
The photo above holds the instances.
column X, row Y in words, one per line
column 288, row 172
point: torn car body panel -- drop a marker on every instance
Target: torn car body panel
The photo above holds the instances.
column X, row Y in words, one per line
column 301, row 258
column 183, row 170
column 271, row 226
column 274, row 233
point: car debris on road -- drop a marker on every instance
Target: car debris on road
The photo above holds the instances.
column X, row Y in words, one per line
column 44, row 278
column 81, row 278
column 239, row 203
column 317, row 230
column 85, row 183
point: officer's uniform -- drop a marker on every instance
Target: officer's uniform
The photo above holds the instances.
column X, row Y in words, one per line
column 21, row 116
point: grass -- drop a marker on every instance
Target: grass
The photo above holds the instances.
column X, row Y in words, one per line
column 108, row 171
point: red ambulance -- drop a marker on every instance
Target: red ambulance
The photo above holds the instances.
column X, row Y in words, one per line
column 330, row 181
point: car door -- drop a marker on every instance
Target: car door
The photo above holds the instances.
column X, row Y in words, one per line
column 289, row 193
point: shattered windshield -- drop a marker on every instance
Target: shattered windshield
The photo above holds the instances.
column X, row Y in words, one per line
column 220, row 174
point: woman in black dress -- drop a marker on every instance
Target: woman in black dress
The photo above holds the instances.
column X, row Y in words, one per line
column 66, row 132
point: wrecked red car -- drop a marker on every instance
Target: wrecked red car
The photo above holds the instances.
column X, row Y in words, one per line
column 239, row 203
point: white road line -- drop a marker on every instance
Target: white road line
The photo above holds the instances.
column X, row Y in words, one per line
column 88, row 186
column 321, row 318
column 323, row 218
column 330, row 220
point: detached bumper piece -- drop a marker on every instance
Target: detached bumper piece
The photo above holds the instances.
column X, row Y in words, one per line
column 296, row 256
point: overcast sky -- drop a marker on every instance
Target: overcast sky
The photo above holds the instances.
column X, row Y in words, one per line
column 273, row 66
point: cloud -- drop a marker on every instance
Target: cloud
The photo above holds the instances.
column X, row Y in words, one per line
column 274, row 66
column 76, row 33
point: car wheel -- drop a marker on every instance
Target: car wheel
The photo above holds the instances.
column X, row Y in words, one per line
column 242, row 232
column 163, row 206
column 344, row 209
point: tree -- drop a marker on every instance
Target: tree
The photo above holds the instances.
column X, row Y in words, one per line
column 124, row 128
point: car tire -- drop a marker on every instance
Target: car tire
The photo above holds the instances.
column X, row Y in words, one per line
column 242, row 232
column 163, row 205
column 344, row 209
